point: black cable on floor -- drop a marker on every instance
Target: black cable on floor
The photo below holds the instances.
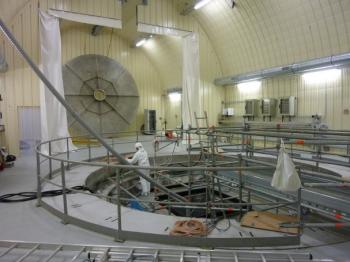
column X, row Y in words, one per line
column 27, row 196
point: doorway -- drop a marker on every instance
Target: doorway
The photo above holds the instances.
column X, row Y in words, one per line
column 29, row 128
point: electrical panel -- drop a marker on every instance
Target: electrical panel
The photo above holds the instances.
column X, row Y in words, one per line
column 268, row 106
column 288, row 106
column 150, row 121
column 228, row 111
column 251, row 107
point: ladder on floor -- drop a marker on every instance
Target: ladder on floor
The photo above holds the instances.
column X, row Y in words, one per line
column 214, row 148
column 197, row 118
column 27, row 251
column 205, row 117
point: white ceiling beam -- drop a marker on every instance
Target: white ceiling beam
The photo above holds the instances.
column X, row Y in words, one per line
column 161, row 30
column 86, row 18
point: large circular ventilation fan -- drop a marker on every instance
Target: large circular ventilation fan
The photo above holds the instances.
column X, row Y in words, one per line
column 102, row 92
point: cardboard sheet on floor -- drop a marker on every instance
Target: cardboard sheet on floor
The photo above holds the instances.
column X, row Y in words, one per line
column 268, row 221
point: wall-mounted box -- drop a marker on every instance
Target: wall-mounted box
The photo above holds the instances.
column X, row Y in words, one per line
column 228, row 111
column 288, row 106
column 251, row 107
column 268, row 106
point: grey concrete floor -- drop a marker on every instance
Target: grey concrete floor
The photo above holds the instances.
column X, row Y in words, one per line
column 26, row 222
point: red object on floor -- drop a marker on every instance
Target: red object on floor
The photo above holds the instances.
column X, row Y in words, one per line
column 169, row 134
column 300, row 142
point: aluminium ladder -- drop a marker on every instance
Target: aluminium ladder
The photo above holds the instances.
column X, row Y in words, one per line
column 12, row 251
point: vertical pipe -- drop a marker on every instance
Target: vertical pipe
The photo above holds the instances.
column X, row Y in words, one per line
column 64, row 193
column 38, row 179
column 50, row 161
column 119, row 205
column 67, row 143
column 108, row 159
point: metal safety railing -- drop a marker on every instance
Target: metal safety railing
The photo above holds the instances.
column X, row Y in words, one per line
column 209, row 169
column 206, row 170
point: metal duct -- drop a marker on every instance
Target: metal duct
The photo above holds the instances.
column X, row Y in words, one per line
column 324, row 62
column 3, row 64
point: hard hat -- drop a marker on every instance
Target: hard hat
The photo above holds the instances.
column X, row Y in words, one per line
column 138, row 145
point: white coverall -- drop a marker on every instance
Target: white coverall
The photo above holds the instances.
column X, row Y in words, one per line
column 141, row 158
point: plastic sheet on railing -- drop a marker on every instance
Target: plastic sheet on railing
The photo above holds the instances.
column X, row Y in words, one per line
column 286, row 177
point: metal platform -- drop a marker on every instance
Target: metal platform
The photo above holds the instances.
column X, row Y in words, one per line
column 27, row 251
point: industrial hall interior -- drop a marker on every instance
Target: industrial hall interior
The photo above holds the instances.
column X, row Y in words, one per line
column 174, row 130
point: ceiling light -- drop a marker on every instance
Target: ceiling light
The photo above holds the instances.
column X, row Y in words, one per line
column 322, row 76
column 201, row 3
column 141, row 42
column 174, row 96
column 249, row 87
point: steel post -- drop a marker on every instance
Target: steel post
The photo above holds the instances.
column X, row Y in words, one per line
column 299, row 211
column 119, row 209
column 240, row 188
column 64, row 193
column 190, row 178
column 50, row 161
column 67, row 143
column 89, row 150
column 38, row 179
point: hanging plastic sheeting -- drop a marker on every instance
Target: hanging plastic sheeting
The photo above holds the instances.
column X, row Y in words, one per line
column 53, row 114
column 190, row 82
column 285, row 177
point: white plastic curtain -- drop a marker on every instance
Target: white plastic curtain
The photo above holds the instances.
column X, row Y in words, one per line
column 190, row 81
column 53, row 114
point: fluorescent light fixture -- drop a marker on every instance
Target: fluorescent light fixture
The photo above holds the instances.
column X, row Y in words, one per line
column 141, row 42
column 322, row 76
column 201, row 3
column 174, row 96
column 249, row 87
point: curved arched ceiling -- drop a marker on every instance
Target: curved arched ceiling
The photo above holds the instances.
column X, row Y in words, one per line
column 166, row 53
column 255, row 34
column 258, row 34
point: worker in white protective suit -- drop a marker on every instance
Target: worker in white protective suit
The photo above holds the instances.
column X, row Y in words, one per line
column 141, row 158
